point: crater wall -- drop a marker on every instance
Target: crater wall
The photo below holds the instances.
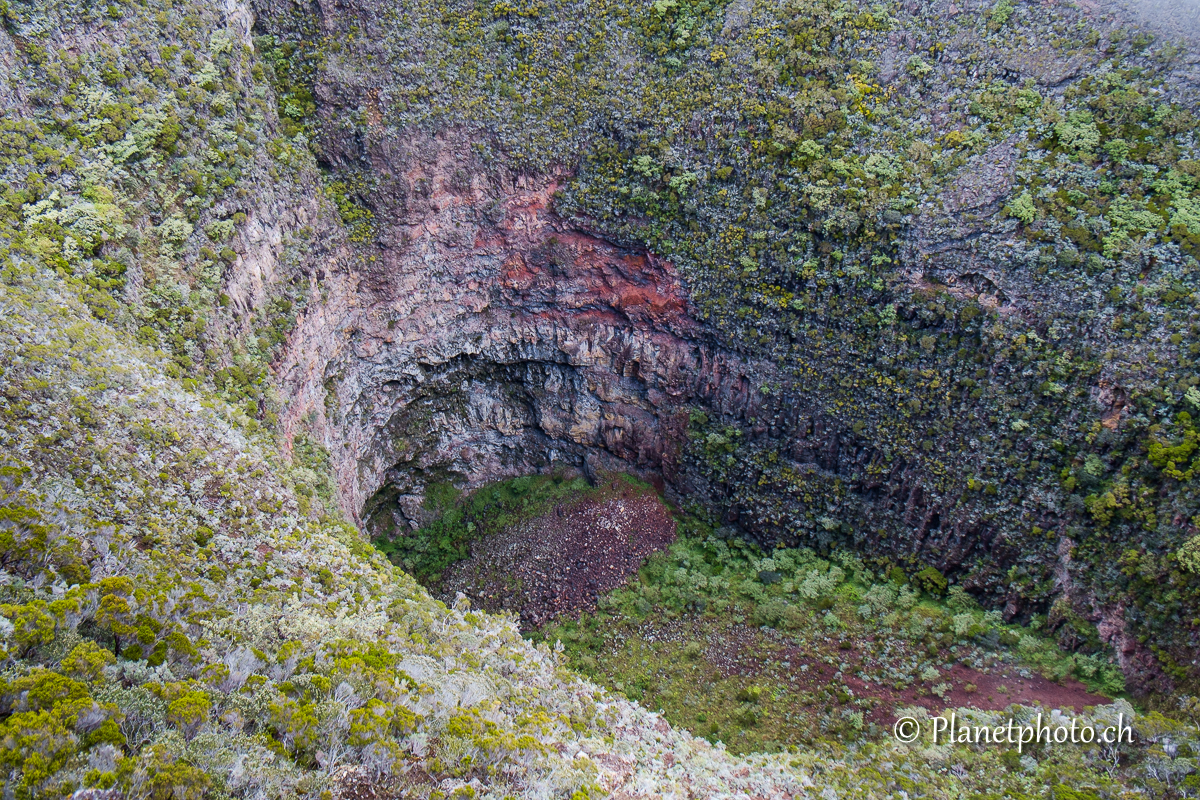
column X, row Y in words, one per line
column 487, row 338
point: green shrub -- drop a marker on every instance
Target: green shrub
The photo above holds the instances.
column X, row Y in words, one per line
column 931, row 581
column 87, row 661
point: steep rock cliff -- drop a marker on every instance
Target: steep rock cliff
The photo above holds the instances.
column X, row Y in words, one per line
column 487, row 338
column 948, row 347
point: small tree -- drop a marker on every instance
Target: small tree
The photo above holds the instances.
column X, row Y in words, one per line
column 115, row 616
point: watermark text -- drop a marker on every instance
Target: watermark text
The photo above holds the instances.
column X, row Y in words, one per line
column 943, row 730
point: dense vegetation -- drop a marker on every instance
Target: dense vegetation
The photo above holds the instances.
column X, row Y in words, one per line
column 185, row 613
column 958, row 239
column 757, row 650
column 831, row 610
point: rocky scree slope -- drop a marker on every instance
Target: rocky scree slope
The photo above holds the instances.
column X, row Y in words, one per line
column 918, row 279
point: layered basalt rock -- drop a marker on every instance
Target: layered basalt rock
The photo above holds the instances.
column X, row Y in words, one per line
column 486, row 337
column 489, row 338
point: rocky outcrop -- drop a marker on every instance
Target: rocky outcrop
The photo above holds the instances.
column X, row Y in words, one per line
column 471, row 333
column 488, row 338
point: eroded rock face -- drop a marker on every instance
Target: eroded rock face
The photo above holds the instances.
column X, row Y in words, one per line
column 490, row 339
column 476, row 335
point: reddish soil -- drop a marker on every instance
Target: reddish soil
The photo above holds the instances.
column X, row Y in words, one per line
column 1032, row 691
column 741, row 652
column 562, row 561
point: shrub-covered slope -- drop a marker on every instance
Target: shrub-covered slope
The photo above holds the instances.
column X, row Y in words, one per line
column 184, row 610
column 184, row 613
column 178, row 622
column 175, row 625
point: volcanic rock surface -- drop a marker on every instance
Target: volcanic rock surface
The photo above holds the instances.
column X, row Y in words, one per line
column 492, row 339
column 478, row 335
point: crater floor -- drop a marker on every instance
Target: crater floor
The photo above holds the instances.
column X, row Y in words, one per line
column 561, row 562
column 743, row 655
